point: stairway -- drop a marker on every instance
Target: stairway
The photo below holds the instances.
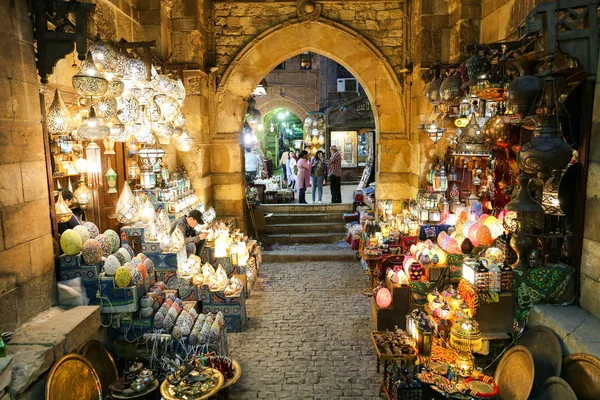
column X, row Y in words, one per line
column 304, row 223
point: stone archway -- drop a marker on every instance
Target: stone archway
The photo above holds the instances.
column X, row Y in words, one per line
column 295, row 107
column 397, row 166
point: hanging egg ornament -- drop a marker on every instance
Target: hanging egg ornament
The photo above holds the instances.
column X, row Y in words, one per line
column 466, row 247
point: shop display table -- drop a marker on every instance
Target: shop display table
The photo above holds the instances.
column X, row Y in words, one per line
column 387, row 359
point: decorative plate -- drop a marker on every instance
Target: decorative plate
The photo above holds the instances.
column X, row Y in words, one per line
column 582, row 373
column 481, row 386
column 546, row 351
column 514, row 375
column 555, row 388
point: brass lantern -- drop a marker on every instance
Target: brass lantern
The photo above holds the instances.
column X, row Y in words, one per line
column 58, row 118
column 88, row 81
column 63, row 212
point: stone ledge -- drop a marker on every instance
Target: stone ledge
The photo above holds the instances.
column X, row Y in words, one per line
column 37, row 344
column 576, row 328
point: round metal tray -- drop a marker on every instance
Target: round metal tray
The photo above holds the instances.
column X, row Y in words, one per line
column 514, row 375
column 546, row 351
column 102, row 362
column 167, row 392
column 72, row 377
column 555, row 388
column 582, row 372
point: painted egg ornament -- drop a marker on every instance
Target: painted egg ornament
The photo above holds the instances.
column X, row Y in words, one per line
column 83, row 233
column 120, row 257
column 125, row 254
column 129, row 250
column 383, row 298
column 445, row 242
column 111, row 264
column 466, row 227
column 92, row 229
column 114, row 239
column 473, row 235
column 143, row 271
column 142, row 257
column 425, row 260
column 482, row 219
column 70, row 242
column 136, row 277
column 168, row 323
column 484, row 235
column 122, row 277
column 106, row 244
column 453, row 247
column 466, row 247
column 416, row 272
column 438, row 256
column 135, row 262
column 91, row 251
column 149, row 264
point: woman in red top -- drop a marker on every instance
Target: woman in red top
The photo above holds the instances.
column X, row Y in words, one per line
column 303, row 179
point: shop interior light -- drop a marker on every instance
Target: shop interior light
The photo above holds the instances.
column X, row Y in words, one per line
column 93, row 128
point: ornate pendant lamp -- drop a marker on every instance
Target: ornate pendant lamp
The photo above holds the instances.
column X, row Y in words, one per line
column 115, row 88
column 105, row 56
column 58, row 118
column 63, row 212
column 184, row 142
column 88, row 81
column 117, row 129
column 83, row 194
column 93, row 156
column 106, row 106
column 135, row 70
column 127, row 206
column 93, row 128
column 111, row 178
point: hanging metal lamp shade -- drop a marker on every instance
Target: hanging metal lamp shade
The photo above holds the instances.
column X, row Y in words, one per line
column 105, row 56
column 93, row 128
column 58, row 118
column 88, row 81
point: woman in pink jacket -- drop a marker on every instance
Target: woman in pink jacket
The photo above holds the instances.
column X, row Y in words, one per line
column 303, row 179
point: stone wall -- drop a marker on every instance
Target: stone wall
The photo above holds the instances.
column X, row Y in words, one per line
column 27, row 282
column 236, row 24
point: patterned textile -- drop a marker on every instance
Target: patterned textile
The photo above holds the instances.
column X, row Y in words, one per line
column 335, row 164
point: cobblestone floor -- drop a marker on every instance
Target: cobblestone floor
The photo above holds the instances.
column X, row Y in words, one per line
column 308, row 335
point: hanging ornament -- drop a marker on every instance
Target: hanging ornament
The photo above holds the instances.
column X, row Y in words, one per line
column 78, row 114
column 130, row 110
column 106, row 106
column 109, row 146
column 93, row 128
column 81, row 165
column 105, row 56
column 58, row 118
column 143, row 133
column 127, row 206
column 111, row 178
column 88, row 81
column 63, row 212
column 135, row 70
column 93, row 156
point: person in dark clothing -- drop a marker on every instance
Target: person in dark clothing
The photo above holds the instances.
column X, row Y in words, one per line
column 73, row 222
column 194, row 241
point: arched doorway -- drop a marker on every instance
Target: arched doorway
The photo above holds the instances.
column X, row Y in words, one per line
column 282, row 102
column 397, row 169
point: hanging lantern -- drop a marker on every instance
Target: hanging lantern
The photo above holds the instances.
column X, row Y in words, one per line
column 93, row 128
column 147, row 178
column 111, row 178
column 78, row 114
column 179, row 91
column 117, row 129
column 81, row 165
column 106, row 106
column 105, row 56
column 83, row 194
column 130, row 110
column 133, row 171
column 144, row 94
column 135, row 70
column 115, row 88
column 58, row 118
column 109, row 146
column 63, row 212
column 94, row 161
column 88, row 81
column 127, row 206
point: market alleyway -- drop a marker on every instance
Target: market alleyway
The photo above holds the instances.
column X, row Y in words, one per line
column 308, row 335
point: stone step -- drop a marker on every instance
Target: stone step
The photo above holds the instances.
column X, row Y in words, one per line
column 284, row 238
column 321, row 227
column 293, row 256
column 306, row 208
column 287, row 218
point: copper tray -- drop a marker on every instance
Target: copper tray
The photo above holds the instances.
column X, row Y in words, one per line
column 556, row 388
column 237, row 373
column 514, row 375
column 582, row 373
column 168, row 394
column 72, row 377
column 102, row 362
column 546, row 351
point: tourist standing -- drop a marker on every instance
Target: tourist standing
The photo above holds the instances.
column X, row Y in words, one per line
column 335, row 174
column 283, row 164
column 251, row 165
column 303, row 180
column 318, row 173
column 292, row 170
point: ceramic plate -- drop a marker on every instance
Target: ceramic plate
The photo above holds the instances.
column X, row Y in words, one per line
column 514, row 375
column 546, row 351
column 582, row 372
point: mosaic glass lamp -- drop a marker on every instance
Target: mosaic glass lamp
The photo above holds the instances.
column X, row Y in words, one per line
column 88, row 81
column 58, row 118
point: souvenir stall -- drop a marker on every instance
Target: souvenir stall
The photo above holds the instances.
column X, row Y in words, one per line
column 167, row 311
column 488, row 235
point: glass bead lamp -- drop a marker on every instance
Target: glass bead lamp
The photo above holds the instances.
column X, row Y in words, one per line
column 58, row 117
column 88, row 81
